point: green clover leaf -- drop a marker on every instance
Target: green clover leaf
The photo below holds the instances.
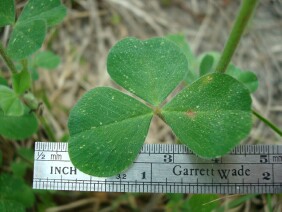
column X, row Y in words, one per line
column 14, row 189
column 7, row 12
column 46, row 59
column 206, row 65
column 211, row 115
column 10, row 205
column 181, row 42
column 248, row 78
column 18, row 127
column 201, row 203
column 107, row 125
column 145, row 67
column 52, row 11
column 10, row 102
column 31, row 27
column 108, row 128
column 26, row 38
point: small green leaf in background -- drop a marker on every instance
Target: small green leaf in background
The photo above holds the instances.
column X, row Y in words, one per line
column 11, row 206
column 34, row 73
column 42, row 59
column 206, row 65
column 214, row 55
column 1, row 158
column 13, row 188
column 18, row 127
column 144, row 67
column 248, row 78
column 19, row 169
column 3, row 81
column 175, row 202
column 7, row 12
column 30, row 29
column 26, row 38
column 21, row 81
column 202, row 203
column 211, row 116
column 26, row 153
column 47, row 60
column 180, row 41
column 51, row 11
column 10, row 102
column 174, row 197
column 107, row 130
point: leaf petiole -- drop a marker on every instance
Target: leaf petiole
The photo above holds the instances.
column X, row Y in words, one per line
column 7, row 60
column 268, row 123
column 24, row 63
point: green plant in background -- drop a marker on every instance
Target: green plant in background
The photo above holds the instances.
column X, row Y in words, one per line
column 198, row 202
column 17, row 102
column 211, row 114
column 29, row 30
column 206, row 63
column 41, row 59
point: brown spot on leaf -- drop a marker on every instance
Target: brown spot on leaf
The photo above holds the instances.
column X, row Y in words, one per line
column 191, row 114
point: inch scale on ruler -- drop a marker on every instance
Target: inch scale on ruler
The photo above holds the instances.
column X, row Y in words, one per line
column 167, row 168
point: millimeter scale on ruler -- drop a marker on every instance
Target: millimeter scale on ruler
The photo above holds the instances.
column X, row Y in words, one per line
column 167, row 168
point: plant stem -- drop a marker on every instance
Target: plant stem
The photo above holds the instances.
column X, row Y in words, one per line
column 24, row 63
column 7, row 60
column 268, row 123
column 243, row 16
column 47, row 128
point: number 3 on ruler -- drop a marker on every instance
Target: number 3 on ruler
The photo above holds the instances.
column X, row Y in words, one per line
column 167, row 158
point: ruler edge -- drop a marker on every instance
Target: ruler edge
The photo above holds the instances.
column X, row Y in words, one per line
column 47, row 145
column 170, row 148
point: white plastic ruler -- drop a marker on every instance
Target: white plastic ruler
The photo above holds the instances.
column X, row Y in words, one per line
column 167, row 168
